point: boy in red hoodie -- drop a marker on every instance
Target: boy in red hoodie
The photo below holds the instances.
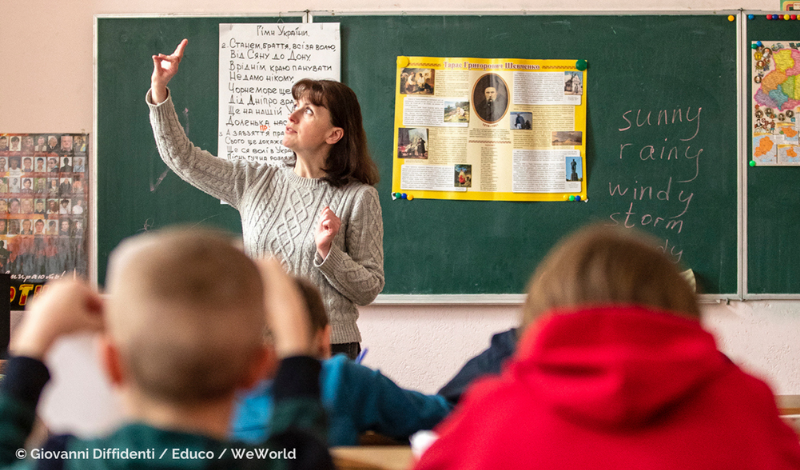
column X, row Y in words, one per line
column 614, row 371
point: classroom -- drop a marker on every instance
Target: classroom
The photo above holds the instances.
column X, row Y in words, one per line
column 47, row 86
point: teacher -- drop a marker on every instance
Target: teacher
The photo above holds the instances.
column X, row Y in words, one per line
column 321, row 217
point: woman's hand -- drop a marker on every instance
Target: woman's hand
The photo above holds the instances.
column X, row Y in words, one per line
column 326, row 230
column 164, row 68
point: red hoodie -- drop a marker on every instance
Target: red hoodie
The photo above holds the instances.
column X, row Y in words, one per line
column 618, row 387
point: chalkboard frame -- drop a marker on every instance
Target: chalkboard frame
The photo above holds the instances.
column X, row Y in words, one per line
column 500, row 298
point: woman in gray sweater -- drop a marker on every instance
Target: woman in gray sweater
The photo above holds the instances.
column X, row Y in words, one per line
column 321, row 217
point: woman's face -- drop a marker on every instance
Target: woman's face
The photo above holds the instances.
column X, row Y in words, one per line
column 309, row 129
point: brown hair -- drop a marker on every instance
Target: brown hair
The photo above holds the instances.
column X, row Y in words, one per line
column 186, row 311
column 349, row 158
column 605, row 265
column 317, row 316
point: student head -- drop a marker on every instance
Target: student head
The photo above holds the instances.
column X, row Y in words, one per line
column 184, row 319
column 318, row 317
column 603, row 265
column 349, row 157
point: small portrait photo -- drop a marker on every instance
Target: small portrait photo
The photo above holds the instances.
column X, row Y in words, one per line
column 65, row 188
column 38, row 227
column 490, row 98
column 27, row 164
column 13, row 184
column 66, row 165
column 15, row 143
column 3, row 229
column 39, row 165
column 521, row 120
column 27, row 227
column 64, row 207
column 463, row 174
column 80, row 144
column 13, row 165
column 27, row 143
column 66, row 143
column 3, row 185
column 3, row 206
column 77, row 184
column 456, row 111
column 27, row 185
column 38, row 206
column 573, row 83
column 52, row 143
column 77, row 206
column 13, row 206
column 77, row 228
column 417, row 81
column 52, row 165
column 412, row 142
column 570, row 138
column 3, row 165
column 52, row 206
column 40, row 185
column 3, row 143
column 52, row 186
column 63, row 227
column 13, row 227
column 574, row 169
column 79, row 166
column 52, row 227
column 41, row 144
column 26, row 205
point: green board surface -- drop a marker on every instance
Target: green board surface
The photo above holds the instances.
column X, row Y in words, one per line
column 773, row 252
column 680, row 70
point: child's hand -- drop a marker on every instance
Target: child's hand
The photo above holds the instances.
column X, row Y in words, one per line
column 287, row 317
column 64, row 307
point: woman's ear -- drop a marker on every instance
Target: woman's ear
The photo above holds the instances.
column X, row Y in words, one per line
column 335, row 135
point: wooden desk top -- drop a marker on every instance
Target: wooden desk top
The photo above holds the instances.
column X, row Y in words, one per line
column 788, row 404
column 373, row 458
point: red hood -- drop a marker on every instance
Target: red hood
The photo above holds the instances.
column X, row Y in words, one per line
column 615, row 366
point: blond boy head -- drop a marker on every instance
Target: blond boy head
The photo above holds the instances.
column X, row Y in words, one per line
column 185, row 315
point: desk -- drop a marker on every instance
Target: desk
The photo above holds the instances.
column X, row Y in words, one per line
column 788, row 404
column 373, row 458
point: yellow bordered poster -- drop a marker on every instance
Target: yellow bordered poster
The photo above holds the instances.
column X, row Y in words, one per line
column 489, row 129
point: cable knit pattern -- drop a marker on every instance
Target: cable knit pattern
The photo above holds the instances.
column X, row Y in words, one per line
column 280, row 213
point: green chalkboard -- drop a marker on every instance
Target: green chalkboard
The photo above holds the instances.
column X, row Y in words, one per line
column 773, row 252
column 680, row 70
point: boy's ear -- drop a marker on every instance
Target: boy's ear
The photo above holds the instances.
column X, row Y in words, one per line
column 110, row 360
column 263, row 366
column 323, row 341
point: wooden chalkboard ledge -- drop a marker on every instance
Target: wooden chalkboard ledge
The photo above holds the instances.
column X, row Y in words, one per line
column 493, row 299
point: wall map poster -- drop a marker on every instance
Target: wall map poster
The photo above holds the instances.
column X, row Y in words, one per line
column 489, row 129
column 776, row 102
column 43, row 206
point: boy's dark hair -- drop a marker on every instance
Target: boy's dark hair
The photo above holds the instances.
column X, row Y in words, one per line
column 318, row 317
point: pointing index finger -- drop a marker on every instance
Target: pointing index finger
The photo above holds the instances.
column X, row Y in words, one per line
column 181, row 47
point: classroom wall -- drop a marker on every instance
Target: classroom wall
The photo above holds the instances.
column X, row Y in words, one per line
column 46, row 86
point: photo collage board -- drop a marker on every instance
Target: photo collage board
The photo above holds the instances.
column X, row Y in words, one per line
column 43, row 205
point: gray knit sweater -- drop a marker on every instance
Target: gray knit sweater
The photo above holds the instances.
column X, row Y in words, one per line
column 280, row 212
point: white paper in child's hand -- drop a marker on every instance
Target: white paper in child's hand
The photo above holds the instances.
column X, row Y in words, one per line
column 420, row 442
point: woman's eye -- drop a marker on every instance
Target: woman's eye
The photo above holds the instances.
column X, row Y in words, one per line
column 309, row 111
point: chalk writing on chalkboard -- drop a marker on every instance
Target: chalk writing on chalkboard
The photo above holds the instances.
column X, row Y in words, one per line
column 258, row 64
column 658, row 194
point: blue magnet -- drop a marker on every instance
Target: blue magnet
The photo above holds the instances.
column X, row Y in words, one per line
column 577, row 198
column 751, row 16
column 404, row 196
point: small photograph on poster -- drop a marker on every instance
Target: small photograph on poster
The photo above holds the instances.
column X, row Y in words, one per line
column 66, row 166
column 3, row 230
column 27, row 164
column 574, row 168
column 3, row 207
column 52, row 165
column 13, row 166
column 52, row 143
column 78, row 167
column 41, row 144
column 39, row 165
column 3, row 164
column 13, row 184
column 27, row 143
column 15, row 143
column 26, row 205
column 27, row 185
column 415, row 81
column 66, row 143
column 52, row 227
column 463, row 174
column 573, row 83
column 38, row 206
column 80, row 144
column 412, row 143
column 40, row 185
column 764, row 149
column 521, row 120
column 13, row 205
column 490, row 98
column 456, row 111
column 3, row 143
column 3, row 185
column 52, row 206
column 77, row 185
column 570, row 138
column 13, row 227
